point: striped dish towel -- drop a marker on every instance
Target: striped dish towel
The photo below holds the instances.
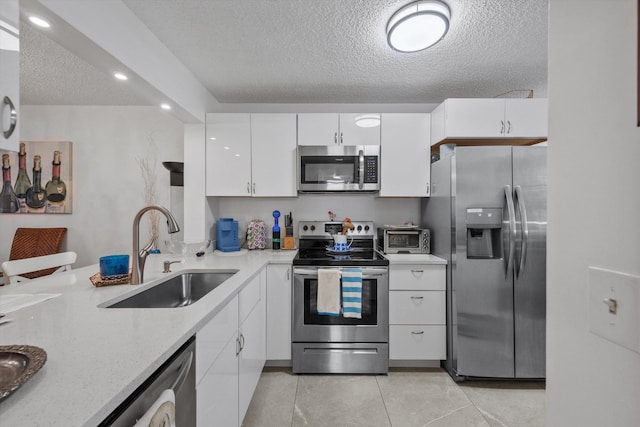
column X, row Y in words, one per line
column 352, row 293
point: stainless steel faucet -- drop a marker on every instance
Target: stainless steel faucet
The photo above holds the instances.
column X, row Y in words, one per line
column 140, row 255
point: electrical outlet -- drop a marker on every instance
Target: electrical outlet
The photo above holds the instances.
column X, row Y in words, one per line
column 614, row 307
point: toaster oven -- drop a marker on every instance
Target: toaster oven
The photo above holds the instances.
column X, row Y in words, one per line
column 404, row 241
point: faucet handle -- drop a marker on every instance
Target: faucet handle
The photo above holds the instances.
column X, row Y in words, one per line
column 167, row 266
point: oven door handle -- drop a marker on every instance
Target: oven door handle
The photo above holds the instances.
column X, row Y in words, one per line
column 366, row 272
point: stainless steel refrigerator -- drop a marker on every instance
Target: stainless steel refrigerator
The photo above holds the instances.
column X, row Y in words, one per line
column 487, row 215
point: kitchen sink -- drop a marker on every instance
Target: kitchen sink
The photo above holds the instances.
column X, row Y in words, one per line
column 177, row 291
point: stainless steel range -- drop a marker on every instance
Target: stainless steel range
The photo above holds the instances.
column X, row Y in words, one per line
column 338, row 344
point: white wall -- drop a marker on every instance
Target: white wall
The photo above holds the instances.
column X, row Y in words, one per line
column 594, row 200
column 310, row 207
column 107, row 179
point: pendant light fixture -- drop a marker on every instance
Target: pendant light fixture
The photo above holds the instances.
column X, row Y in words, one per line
column 418, row 25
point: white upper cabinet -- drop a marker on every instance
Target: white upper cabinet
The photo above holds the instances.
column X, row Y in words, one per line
column 251, row 155
column 336, row 129
column 273, row 155
column 228, row 155
column 405, row 155
column 9, row 74
column 497, row 118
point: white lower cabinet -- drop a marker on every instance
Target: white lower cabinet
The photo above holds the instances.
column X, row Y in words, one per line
column 251, row 358
column 279, row 312
column 217, row 392
column 230, row 355
column 417, row 312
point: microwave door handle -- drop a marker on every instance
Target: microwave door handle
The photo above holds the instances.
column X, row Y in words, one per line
column 361, row 170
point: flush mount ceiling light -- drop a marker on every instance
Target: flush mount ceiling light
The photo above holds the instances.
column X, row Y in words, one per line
column 165, row 106
column 120, row 76
column 367, row 120
column 418, row 25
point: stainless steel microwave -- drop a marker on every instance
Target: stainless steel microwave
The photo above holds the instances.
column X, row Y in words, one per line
column 343, row 168
column 404, row 241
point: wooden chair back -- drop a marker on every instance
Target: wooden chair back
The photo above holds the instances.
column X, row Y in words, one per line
column 36, row 242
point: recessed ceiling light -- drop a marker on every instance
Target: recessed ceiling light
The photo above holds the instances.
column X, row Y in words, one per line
column 227, row 148
column 120, row 76
column 165, row 106
column 368, row 120
column 418, row 25
column 213, row 138
column 237, row 155
column 39, row 22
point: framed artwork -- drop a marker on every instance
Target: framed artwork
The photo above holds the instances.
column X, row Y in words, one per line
column 38, row 179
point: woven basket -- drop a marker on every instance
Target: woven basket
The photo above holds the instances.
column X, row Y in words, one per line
column 120, row 279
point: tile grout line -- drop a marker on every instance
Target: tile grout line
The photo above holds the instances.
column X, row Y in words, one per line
column 384, row 404
column 295, row 399
column 474, row 404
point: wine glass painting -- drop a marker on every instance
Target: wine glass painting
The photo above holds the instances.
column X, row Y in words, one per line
column 38, row 178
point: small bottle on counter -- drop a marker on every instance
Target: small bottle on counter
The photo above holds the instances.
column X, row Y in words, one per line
column 275, row 238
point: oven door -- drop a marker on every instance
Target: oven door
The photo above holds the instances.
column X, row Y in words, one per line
column 309, row 326
column 341, row 168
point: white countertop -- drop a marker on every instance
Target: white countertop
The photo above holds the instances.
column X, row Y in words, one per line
column 414, row 259
column 96, row 357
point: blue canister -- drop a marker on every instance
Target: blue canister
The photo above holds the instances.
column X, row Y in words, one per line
column 227, row 235
column 113, row 265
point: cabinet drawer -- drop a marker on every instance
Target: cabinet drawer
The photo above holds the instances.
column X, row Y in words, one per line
column 418, row 277
column 249, row 297
column 211, row 339
column 417, row 307
column 417, row 342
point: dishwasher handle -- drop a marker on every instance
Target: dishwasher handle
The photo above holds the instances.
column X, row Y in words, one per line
column 182, row 374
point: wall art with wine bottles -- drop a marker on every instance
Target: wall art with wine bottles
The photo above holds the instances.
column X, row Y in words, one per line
column 38, row 179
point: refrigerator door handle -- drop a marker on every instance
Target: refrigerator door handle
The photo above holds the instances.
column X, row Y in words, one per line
column 525, row 230
column 512, row 228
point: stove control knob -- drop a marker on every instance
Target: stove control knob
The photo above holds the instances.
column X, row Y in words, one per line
column 359, row 228
column 305, row 228
column 313, row 227
column 366, row 228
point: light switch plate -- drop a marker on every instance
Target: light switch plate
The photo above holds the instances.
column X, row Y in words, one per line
column 623, row 326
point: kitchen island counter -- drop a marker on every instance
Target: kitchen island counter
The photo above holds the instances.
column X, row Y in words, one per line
column 96, row 357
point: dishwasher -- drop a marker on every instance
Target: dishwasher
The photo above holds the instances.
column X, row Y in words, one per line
column 177, row 373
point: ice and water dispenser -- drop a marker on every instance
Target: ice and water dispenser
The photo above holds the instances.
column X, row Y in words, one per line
column 484, row 233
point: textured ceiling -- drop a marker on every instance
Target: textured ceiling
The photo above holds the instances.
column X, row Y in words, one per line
column 51, row 75
column 312, row 51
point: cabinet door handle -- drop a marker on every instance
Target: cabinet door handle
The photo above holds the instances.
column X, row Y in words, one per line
column 248, row 188
column 241, row 342
column 501, row 127
column 417, row 332
column 335, row 138
column 508, row 126
column 238, row 346
column 13, row 117
column 254, row 188
column 341, row 140
column 414, row 297
column 417, row 271
column 288, row 273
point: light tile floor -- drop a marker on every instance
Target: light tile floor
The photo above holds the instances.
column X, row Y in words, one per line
column 404, row 398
